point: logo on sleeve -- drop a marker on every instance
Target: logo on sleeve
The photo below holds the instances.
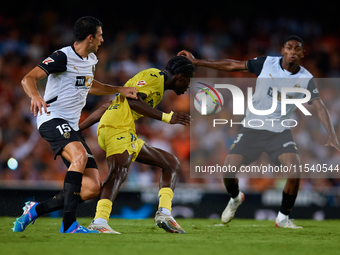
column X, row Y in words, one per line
column 141, row 83
column 315, row 91
column 48, row 60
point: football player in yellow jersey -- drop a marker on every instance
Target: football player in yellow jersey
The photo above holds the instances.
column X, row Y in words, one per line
column 117, row 136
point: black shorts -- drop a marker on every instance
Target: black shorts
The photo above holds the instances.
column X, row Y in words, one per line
column 58, row 133
column 250, row 143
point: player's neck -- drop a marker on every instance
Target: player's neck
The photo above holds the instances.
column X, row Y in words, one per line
column 168, row 78
column 81, row 49
column 290, row 67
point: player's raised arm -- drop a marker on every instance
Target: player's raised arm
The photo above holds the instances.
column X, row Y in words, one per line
column 228, row 65
column 100, row 89
column 326, row 121
column 29, row 83
column 94, row 117
column 141, row 107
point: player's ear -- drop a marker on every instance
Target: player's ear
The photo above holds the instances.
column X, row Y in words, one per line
column 89, row 38
column 282, row 50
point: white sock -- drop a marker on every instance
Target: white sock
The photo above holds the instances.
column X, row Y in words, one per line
column 281, row 216
column 164, row 210
column 99, row 221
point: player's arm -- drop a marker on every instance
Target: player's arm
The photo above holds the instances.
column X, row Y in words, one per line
column 143, row 108
column 228, row 65
column 326, row 121
column 29, row 84
column 100, row 89
column 94, row 117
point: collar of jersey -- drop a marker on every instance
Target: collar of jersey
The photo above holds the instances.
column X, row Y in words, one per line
column 76, row 52
column 280, row 63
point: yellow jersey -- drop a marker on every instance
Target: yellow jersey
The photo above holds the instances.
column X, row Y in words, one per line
column 119, row 114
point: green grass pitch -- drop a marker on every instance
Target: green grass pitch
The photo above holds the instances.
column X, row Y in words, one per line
column 204, row 236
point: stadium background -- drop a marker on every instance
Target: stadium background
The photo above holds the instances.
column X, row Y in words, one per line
column 146, row 35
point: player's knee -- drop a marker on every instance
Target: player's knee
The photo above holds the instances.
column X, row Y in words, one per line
column 293, row 181
column 173, row 164
column 79, row 160
column 118, row 173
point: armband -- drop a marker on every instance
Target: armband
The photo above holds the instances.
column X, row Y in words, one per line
column 166, row 117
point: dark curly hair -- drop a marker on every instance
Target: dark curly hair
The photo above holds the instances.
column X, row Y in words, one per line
column 85, row 26
column 180, row 64
column 294, row 38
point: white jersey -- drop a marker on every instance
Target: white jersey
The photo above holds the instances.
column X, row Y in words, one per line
column 69, row 79
column 271, row 75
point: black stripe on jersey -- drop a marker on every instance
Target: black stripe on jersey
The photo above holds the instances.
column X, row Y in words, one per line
column 313, row 89
column 52, row 100
column 76, row 52
column 255, row 65
column 55, row 63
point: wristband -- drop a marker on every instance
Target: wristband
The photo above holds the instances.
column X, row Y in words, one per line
column 166, row 117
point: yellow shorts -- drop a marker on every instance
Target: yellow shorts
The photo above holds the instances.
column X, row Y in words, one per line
column 116, row 141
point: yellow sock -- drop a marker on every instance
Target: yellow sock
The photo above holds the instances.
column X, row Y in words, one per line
column 103, row 210
column 165, row 198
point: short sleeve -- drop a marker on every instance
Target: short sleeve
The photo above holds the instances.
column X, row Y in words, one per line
column 313, row 89
column 55, row 63
column 255, row 65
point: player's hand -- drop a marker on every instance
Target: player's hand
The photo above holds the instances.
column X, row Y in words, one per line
column 130, row 92
column 180, row 118
column 188, row 55
column 37, row 104
column 333, row 142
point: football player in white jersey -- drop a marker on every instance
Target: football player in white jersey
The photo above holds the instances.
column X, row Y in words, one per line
column 275, row 140
column 70, row 72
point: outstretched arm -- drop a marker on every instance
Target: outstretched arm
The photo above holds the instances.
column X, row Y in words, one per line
column 143, row 108
column 326, row 121
column 228, row 65
column 100, row 89
column 94, row 117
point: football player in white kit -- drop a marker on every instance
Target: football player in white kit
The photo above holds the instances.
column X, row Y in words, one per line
column 272, row 138
column 70, row 72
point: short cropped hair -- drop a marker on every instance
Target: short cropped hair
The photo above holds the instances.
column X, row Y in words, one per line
column 295, row 38
column 180, row 64
column 85, row 26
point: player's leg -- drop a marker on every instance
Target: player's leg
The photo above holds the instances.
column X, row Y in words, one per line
column 170, row 166
column 282, row 150
column 118, row 169
column 290, row 191
column 72, row 149
column 231, row 184
column 76, row 154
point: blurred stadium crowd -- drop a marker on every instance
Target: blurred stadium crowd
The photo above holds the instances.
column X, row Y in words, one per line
column 128, row 51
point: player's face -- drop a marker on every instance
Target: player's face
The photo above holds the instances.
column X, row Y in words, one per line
column 292, row 52
column 97, row 40
column 181, row 84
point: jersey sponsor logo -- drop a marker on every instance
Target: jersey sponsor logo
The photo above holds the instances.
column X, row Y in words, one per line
column 150, row 103
column 84, row 81
column 270, row 93
column 141, row 83
column 113, row 107
column 48, row 60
